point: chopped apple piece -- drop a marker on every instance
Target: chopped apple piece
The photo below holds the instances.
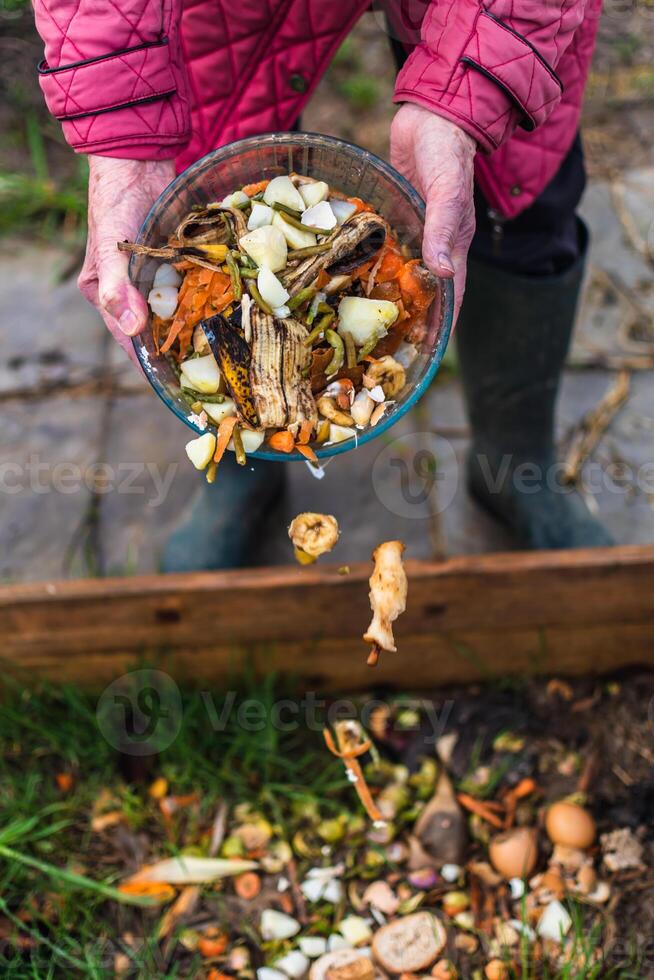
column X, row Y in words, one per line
column 202, row 374
column 218, row 412
column 251, row 440
column 200, row 451
column 363, row 318
column 282, row 190
column 267, row 246
column 340, row 433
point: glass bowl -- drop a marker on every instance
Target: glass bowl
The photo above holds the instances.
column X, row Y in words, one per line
column 349, row 168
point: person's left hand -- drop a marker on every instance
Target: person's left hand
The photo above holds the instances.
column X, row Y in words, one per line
column 437, row 156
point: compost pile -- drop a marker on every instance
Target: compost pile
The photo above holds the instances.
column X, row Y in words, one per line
column 494, row 852
column 290, row 314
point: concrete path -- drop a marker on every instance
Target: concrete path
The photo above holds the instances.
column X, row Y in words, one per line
column 93, row 473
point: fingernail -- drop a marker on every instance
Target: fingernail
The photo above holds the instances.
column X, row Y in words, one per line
column 128, row 323
column 445, row 262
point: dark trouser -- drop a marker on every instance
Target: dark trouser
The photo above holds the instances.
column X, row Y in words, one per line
column 544, row 240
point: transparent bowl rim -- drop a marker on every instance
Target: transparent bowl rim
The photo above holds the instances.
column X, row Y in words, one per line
column 252, row 142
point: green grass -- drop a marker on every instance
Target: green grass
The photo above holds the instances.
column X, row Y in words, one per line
column 34, row 200
column 361, row 91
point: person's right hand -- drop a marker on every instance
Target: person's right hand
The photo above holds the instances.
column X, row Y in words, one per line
column 121, row 192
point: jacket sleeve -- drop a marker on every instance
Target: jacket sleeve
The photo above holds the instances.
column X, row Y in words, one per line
column 114, row 75
column 490, row 67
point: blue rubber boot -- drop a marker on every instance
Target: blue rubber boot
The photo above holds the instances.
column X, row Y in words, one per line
column 223, row 525
column 512, row 338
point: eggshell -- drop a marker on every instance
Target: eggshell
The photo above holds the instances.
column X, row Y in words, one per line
column 514, row 853
column 570, row 825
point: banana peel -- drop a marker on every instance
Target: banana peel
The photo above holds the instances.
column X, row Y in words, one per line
column 232, row 352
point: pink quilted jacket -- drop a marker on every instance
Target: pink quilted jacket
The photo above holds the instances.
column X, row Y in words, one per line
column 149, row 79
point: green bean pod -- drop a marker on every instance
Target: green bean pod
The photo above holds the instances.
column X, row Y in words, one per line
column 228, row 228
column 296, row 223
column 191, row 395
column 239, row 451
column 305, row 253
column 235, row 276
column 321, row 325
column 350, row 350
column 258, row 299
column 336, row 341
column 300, row 298
column 368, row 347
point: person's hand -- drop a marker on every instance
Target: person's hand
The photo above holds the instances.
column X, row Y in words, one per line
column 436, row 156
column 121, row 193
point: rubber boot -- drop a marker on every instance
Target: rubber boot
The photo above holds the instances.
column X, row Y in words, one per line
column 512, row 337
column 225, row 521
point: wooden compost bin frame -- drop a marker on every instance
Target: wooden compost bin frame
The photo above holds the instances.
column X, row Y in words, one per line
column 468, row 618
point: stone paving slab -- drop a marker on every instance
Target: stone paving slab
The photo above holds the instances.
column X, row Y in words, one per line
column 46, row 483
column 48, row 332
column 617, row 271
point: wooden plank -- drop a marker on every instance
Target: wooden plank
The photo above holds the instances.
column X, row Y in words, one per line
column 555, row 612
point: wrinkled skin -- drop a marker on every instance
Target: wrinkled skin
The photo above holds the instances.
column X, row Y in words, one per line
column 434, row 154
column 437, row 157
column 121, row 192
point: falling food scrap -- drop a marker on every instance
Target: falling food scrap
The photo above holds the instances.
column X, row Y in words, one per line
column 388, row 590
column 351, row 743
column 313, row 535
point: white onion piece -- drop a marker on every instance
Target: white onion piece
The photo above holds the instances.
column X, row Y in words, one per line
column 342, row 209
column 260, row 215
column 377, row 394
column 163, row 301
column 282, row 190
column 271, row 289
column 167, row 275
column 232, row 200
column 281, row 312
column 362, row 407
column 320, row 216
